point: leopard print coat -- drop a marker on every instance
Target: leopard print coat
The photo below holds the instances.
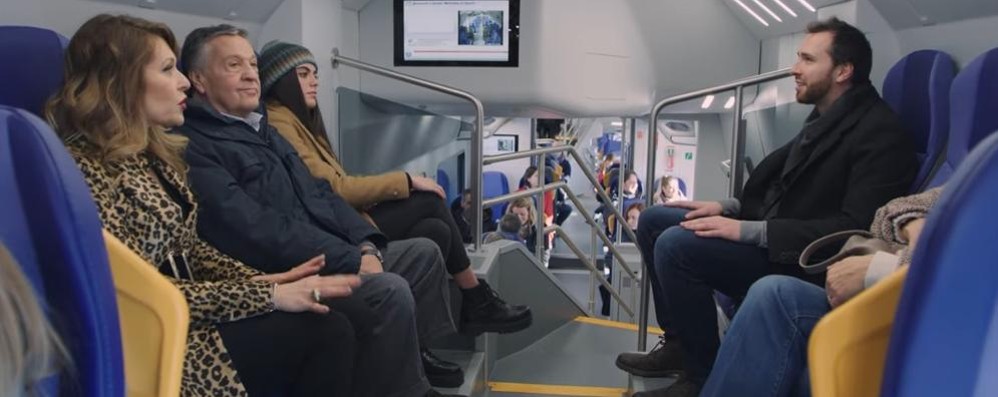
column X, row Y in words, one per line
column 136, row 209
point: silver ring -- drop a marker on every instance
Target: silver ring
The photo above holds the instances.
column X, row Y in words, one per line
column 315, row 295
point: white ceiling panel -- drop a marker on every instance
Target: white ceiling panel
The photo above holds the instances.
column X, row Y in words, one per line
column 355, row 5
column 239, row 10
column 258, row 10
column 904, row 14
column 778, row 14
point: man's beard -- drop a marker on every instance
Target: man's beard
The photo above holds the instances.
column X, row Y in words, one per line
column 813, row 92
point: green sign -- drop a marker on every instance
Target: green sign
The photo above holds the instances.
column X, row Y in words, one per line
column 688, row 156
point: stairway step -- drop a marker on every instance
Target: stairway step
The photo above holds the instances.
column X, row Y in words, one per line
column 473, row 364
column 580, row 353
column 528, row 389
column 644, row 384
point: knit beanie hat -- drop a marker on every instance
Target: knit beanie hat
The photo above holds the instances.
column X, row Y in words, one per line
column 277, row 58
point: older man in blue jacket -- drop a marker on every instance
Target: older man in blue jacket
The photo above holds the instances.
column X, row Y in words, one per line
column 260, row 204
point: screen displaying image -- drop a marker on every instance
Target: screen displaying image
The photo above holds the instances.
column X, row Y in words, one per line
column 479, row 27
column 459, row 33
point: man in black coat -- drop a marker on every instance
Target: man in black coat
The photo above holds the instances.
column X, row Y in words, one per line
column 851, row 157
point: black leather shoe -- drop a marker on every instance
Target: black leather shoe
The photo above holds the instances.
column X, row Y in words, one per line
column 484, row 311
column 441, row 373
column 665, row 359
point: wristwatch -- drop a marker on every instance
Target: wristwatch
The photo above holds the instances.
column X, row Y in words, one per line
column 370, row 249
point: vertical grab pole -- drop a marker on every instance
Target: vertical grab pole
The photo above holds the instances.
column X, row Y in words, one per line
column 477, row 143
column 592, row 275
column 645, row 279
column 539, row 198
column 737, row 149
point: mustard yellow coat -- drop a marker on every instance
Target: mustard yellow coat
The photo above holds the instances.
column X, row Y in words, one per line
column 361, row 192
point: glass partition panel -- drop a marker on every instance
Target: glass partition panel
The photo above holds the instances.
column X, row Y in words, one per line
column 695, row 136
column 377, row 135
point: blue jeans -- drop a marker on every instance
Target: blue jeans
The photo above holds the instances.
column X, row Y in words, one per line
column 685, row 270
column 764, row 352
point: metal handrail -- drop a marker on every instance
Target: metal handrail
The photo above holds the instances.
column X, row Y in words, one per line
column 523, row 193
column 476, row 135
column 578, row 159
column 592, row 267
column 737, row 152
column 590, row 220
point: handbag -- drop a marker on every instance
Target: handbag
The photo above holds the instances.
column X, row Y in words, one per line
column 858, row 242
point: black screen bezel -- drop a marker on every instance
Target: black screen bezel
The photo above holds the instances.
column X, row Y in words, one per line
column 514, row 41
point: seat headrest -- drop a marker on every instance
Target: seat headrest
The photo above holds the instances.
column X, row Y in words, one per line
column 31, row 66
column 973, row 100
column 917, row 88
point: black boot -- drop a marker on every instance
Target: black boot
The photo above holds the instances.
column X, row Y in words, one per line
column 440, row 373
column 484, row 311
column 665, row 359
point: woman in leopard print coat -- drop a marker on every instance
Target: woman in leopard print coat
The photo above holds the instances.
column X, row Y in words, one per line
column 122, row 91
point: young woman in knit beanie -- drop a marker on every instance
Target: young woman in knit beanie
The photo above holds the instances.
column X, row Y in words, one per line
column 402, row 206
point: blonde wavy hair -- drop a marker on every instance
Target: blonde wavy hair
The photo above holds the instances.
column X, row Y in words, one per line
column 30, row 348
column 524, row 202
column 104, row 88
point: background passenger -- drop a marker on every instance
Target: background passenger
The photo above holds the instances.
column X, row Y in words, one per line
column 122, row 92
column 630, row 186
column 603, row 168
column 460, row 209
column 524, row 209
column 31, row 349
column 509, row 229
column 668, row 191
column 632, row 213
column 529, row 178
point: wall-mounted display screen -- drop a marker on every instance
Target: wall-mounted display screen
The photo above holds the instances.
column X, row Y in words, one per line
column 457, row 33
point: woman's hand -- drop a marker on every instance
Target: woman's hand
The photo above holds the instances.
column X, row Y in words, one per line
column 306, row 294
column 845, row 278
column 310, row 267
column 425, row 184
column 911, row 230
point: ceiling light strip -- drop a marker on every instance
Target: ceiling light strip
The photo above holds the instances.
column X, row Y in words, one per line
column 768, row 11
column 785, row 8
column 749, row 10
column 807, row 5
column 730, row 103
column 707, row 101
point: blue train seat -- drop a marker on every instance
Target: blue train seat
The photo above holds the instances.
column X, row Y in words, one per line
column 31, row 66
column 945, row 335
column 917, row 88
column 64, row 231
column 973, row 100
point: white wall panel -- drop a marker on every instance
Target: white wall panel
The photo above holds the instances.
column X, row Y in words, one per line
column 582, row 57
column 284, row 24
column 964, row 40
